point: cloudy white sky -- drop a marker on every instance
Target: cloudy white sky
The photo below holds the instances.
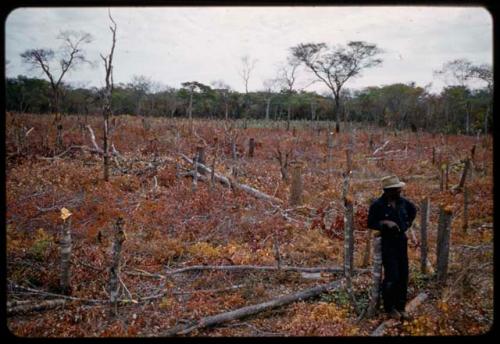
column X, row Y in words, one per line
column 171, row 45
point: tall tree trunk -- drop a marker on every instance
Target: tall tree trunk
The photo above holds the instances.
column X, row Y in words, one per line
column 190, row 108
column 105, row 148
column 337, row 117
column 313, row 110
column 486, row 120
column 268, row 107
column 288, row 117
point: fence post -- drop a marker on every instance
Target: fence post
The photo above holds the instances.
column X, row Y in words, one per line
column 376, row 274
column 443, row 242
column 296, row 184
column 424, row 221
column 348, row 236
column 251, row 147
column 114, row 270
column 65, row 252
column 465, row 223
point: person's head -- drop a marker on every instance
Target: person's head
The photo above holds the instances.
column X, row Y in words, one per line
column 392, row 186
column 393, row 193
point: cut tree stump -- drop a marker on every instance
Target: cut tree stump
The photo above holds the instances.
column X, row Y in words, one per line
column 410, row 308
column 251, row 310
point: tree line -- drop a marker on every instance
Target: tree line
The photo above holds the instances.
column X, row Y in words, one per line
column 398, row 106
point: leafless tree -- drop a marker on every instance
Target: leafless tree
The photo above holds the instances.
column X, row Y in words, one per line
column 456, row 72
column 106, row 111
column 68, row 57
column 246, row 69
column 334, row 66
column 269, row 89
column 287, row 77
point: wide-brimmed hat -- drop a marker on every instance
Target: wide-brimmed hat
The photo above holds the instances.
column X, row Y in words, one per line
column 390, row 182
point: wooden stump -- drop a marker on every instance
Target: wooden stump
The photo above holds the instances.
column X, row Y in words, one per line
column 465, row 219
column 366, row 257
column 348, row 237
column 443, row 242
column 251, row 147
column 114, row 270
column 296, row 184
column 66, row 257
column 376, row 274
column 464, row 174
column 348, row 159
column 200, row 154
column 424, row 222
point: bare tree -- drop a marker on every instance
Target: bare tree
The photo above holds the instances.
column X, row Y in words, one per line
column 334, row 66
column 106, row 110
column 246, row 70
column 287, row 77
column 69, row 56
column 269, row 89
column 458, row 72
column 455, row 72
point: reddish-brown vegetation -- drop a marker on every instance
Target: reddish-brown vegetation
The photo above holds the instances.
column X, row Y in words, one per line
column 168, row 226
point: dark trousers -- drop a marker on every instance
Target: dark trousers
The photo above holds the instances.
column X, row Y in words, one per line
column 395, row 262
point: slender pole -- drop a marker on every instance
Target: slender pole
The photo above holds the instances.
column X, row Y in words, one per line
column 424, row 222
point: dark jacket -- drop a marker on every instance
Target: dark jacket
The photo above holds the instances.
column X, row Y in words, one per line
column 403, row 215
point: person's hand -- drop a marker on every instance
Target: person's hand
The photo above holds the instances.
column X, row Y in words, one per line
column 389, row 224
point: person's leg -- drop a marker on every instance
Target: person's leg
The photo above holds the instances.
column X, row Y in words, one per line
column 402, row 288
column 391, row 275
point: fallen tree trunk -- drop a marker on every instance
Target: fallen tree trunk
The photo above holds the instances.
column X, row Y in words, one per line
column 251, row 310
column 410, row 307
column 231, row 183
column 261, row 268
column 30, row 307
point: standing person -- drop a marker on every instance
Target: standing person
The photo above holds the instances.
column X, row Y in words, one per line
column 392, row 215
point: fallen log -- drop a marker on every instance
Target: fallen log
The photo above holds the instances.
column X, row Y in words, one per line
column 410, row 307
column 262, row 268
column 251, row 310
column 231, row 183
column 30, row 307
column 381, row 147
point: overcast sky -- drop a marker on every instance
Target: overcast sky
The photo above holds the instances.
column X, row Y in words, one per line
column 172, row 45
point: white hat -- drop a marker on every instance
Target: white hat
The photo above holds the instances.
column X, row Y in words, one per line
column 392, row 182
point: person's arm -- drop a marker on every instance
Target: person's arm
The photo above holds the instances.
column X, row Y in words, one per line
column 412, row 212
column 374, row 218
